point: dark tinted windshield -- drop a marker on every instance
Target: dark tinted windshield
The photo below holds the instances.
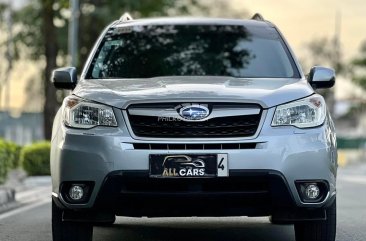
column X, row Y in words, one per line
column 192, row 50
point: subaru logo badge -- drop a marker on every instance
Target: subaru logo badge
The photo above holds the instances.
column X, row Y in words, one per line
column 194, row 112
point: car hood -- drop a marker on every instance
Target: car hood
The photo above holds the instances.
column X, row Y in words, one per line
column 121, row 92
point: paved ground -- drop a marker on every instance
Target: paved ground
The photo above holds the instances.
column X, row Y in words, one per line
column 32, row 221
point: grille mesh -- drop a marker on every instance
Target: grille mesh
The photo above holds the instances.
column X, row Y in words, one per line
column 210, row 146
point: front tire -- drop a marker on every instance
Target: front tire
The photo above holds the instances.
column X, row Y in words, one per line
column 318, row 230
column 69, row 231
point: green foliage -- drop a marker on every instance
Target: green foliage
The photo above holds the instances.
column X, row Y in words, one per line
column 3, row 6
column 9, row 158
column 359, row 67
column 4, row 164
column 351, row 143
column 35, row 158
column 360, row 80
column 13, row 152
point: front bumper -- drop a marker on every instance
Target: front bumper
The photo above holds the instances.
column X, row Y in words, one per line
column 250, row 193
column 281, row 156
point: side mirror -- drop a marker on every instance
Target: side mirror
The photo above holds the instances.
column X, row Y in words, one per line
column 64, row 78
column 320, row 77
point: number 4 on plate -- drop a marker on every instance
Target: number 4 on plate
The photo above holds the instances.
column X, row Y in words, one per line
column 222, row 165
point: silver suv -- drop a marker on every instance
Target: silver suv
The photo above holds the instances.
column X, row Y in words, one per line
column 193, row 117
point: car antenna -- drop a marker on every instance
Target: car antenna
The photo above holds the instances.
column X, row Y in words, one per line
column 258, row 17
column 126, row 17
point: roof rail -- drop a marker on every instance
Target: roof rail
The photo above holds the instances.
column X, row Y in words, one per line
column 126, row 17
column 258, row 17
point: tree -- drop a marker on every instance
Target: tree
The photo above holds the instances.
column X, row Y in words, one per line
column 49, row 34
column 39, row 35
column 359, row 67
column 3, row 67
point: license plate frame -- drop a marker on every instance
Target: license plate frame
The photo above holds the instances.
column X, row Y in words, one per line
column 188, row 165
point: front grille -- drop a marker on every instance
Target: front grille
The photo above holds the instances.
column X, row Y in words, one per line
column 216, row 127
column 179, row 146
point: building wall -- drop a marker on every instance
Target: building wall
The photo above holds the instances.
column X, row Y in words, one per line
column 23, row 129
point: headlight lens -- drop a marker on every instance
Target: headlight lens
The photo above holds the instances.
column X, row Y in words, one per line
column 304, row 113
column 79, row 113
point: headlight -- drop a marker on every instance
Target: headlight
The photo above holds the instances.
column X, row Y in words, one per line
column 304, row 113
column 79, row 113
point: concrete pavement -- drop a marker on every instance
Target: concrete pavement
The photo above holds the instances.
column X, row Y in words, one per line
column 21, row 191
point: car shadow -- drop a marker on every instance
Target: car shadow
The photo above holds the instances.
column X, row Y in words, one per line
column 194, row 229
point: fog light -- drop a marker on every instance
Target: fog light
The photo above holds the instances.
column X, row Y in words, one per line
column 76, row 192
column 312, row 191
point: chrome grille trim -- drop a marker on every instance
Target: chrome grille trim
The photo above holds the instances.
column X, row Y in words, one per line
column 215, row 113
column 225, row 103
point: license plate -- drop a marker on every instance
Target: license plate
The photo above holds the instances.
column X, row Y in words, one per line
column 188, row 165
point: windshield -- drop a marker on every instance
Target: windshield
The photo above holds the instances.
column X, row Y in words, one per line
column 192, row 50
